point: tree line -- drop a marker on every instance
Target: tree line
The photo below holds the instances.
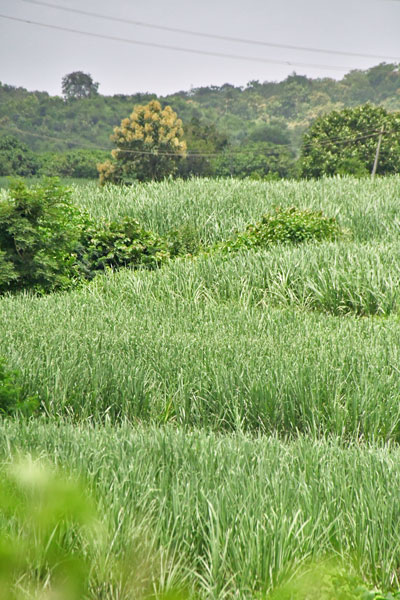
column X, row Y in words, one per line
column 263, row 130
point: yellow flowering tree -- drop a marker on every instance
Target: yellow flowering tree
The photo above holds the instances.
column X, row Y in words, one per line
column 149, row 145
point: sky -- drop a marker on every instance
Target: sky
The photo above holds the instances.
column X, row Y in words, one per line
column 36, row 58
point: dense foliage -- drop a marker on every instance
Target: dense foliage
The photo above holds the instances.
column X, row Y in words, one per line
column 78, row 85
column 204, row 142
column 47, row 243
column 39, row 230
column 345, row 142
column 149, row 146
column 289, row 225
column 274, row 112
column 73, row 163
column 12, row 397
column 121, row 243
column 16, row 158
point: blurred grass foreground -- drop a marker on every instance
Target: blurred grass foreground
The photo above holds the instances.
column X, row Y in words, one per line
column 53, row 545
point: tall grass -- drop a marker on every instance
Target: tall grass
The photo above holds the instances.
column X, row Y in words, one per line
column 231, row 516
column 166, row 346
column 301, row 343
column 215, row 208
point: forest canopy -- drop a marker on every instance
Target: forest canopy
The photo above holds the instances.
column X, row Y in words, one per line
column 264, row 117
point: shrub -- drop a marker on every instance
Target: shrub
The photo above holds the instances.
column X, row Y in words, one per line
column 286, row 225
column 12, row 399
column 118, row 244
column 39, row 230
column 184, row 240
column 48, row 244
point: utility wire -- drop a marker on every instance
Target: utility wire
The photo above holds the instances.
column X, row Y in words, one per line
column 366, row 134
column 177, row 48
column 206, row 35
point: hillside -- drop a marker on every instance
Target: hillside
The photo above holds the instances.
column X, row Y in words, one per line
column 275, row 112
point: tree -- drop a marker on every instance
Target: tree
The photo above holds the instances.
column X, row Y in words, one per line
column 78, row 85
column 275, row 133
column 16, row 158
column 202, row 139
column 149, row 146
column 257, row 160
column 345, row 142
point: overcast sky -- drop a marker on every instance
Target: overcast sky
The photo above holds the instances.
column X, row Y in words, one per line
column 37, row 58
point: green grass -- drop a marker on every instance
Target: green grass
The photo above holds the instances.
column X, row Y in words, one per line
column 229, row 412
column 231, row 516
column 169, row 346
column 70, row 181
column 215, row 208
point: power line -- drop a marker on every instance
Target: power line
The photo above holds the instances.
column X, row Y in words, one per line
column 177, row 48
column 365, row 135
column 207, row 35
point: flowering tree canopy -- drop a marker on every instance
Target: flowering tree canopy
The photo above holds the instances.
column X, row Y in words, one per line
column 149, row 144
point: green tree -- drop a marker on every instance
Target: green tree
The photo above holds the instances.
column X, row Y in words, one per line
column 202, row 139
column 39, row 232
column 79, row 163
column 78, row 85
column 275, row 133
column 16, row 158
column 345, row 142
column 149, row 144
column 257, row 160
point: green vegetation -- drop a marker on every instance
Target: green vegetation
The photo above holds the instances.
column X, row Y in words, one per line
column 255, row 130
column 328, row 148
column 224, row 516
column 149, row 146
column 80, row 164
column 46, row 243
column 78, row 85
column 120, row 244
column 217, row 209
column 284, row 226
column 234, row 415
column 199, row 345
column 16, row 158
column 53, row 542
column 39, row 231
column 12, row 399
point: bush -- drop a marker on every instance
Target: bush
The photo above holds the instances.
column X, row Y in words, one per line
column 120, row 244
column 48, row 244
column 12, row 400
column 183, row 241
column 39, row 230
column 286, row 225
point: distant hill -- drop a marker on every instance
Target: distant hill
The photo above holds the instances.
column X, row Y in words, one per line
column 259, row 112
